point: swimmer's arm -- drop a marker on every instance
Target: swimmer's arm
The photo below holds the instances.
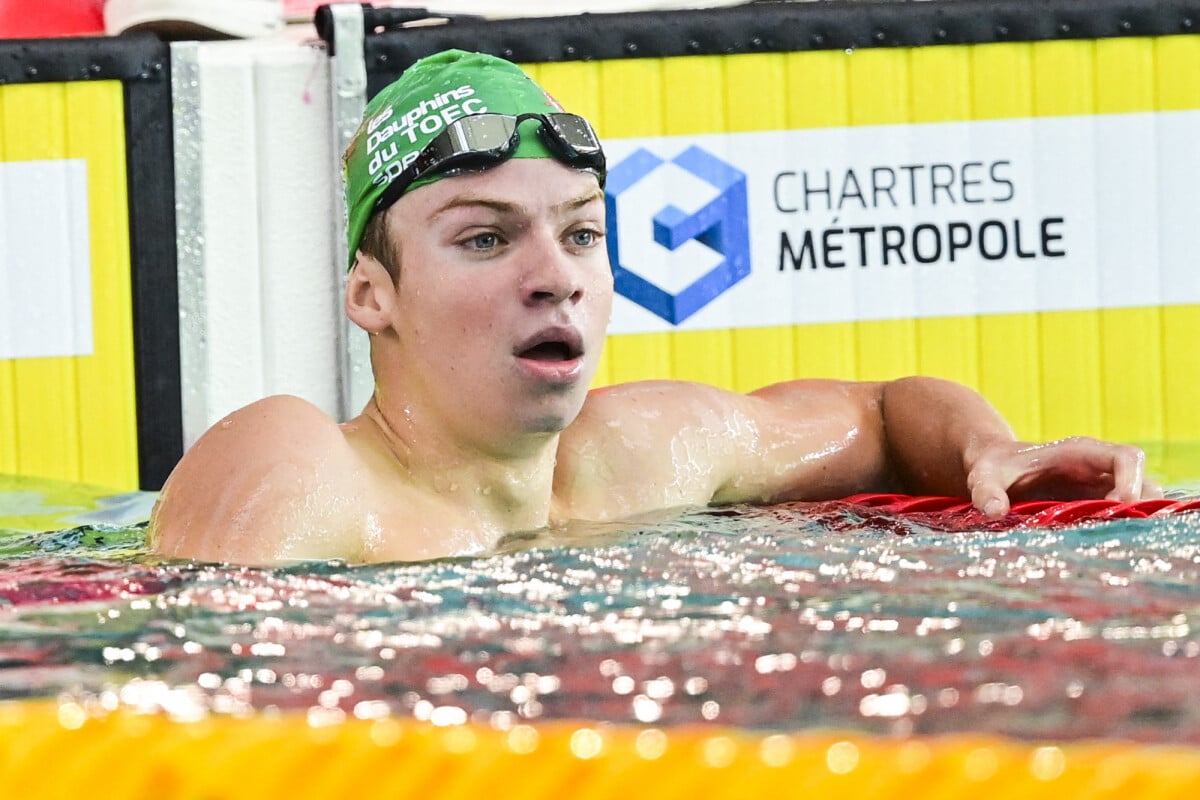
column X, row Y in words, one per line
column 929, row 422
column 930, row 436
column 808, row 440
column 935, row 431
column 645, row 446
column 265, row 485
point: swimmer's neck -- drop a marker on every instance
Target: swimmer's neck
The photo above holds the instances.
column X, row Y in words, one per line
column 506, row 488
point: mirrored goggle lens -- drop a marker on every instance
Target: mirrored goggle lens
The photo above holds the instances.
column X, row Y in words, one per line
column 481, row 134
column 483, row 139
column 574, row 131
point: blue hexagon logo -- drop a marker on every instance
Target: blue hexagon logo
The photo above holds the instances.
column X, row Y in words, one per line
column 721, row 225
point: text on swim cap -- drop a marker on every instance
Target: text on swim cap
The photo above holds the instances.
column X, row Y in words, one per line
column 427, row 118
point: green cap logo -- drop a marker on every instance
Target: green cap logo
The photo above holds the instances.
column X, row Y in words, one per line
column 403, row 118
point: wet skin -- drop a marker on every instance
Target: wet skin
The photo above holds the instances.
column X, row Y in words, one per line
column 481, row 423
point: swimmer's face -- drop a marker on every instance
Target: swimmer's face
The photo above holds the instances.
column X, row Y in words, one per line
column 504, row 295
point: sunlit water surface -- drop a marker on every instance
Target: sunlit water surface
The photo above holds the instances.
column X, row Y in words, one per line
column 794, row 617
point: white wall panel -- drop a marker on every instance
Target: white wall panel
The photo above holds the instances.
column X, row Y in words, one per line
column 258, row 272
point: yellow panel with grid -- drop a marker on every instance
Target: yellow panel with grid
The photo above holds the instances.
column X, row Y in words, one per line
column 74, row 418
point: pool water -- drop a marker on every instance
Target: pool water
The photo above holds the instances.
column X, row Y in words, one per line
column 795, row 617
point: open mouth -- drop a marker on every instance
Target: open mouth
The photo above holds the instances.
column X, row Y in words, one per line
column 552, row 345
column 549, row 351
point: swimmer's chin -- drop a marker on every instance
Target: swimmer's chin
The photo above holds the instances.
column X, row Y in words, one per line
column 550, row 423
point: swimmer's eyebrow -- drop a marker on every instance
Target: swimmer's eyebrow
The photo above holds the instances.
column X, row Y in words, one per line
column 509, row 208
column 475, row 201
column 579, row 202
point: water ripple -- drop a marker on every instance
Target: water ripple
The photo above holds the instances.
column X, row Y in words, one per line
column 792, row 617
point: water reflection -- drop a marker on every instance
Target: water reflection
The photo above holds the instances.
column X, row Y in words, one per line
column 794, row 617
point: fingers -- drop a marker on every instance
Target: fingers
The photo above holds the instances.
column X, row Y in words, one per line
column 1128, row 468
column 1125, row 466
column 1151, row 490
column 988, row 487
column 1066, row 469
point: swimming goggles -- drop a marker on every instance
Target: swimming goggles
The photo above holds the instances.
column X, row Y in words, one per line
column 484, row 140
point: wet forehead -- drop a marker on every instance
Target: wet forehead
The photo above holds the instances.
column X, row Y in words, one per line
column 506, row 207
column 520, row 188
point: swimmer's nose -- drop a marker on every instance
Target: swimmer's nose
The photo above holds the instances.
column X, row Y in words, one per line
column 552, row 276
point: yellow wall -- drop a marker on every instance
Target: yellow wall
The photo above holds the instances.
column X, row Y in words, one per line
column 1126, row 374
column 74, row 418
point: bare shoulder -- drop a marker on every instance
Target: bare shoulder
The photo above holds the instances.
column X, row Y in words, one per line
column 253, row 482
column 645, row 446
column 636, row 397
column 656, row 408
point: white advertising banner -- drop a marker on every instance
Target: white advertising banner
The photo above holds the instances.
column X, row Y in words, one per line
column 901, row 221
column 45, row 259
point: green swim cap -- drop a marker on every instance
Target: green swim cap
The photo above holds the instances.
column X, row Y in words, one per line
column 403, row 118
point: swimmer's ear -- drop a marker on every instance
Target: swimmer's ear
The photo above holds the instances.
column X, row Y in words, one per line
column 370, row 294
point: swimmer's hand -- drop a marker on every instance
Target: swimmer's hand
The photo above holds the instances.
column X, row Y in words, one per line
column 1077, row 468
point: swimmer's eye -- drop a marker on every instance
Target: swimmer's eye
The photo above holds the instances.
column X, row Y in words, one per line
column 585, row 237
column 482, row 241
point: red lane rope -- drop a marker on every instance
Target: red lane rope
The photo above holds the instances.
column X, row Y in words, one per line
column 1031, row 513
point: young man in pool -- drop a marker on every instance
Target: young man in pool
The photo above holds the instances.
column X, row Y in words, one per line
column 479, row 269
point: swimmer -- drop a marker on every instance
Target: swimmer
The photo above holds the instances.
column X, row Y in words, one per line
column 478, row 267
